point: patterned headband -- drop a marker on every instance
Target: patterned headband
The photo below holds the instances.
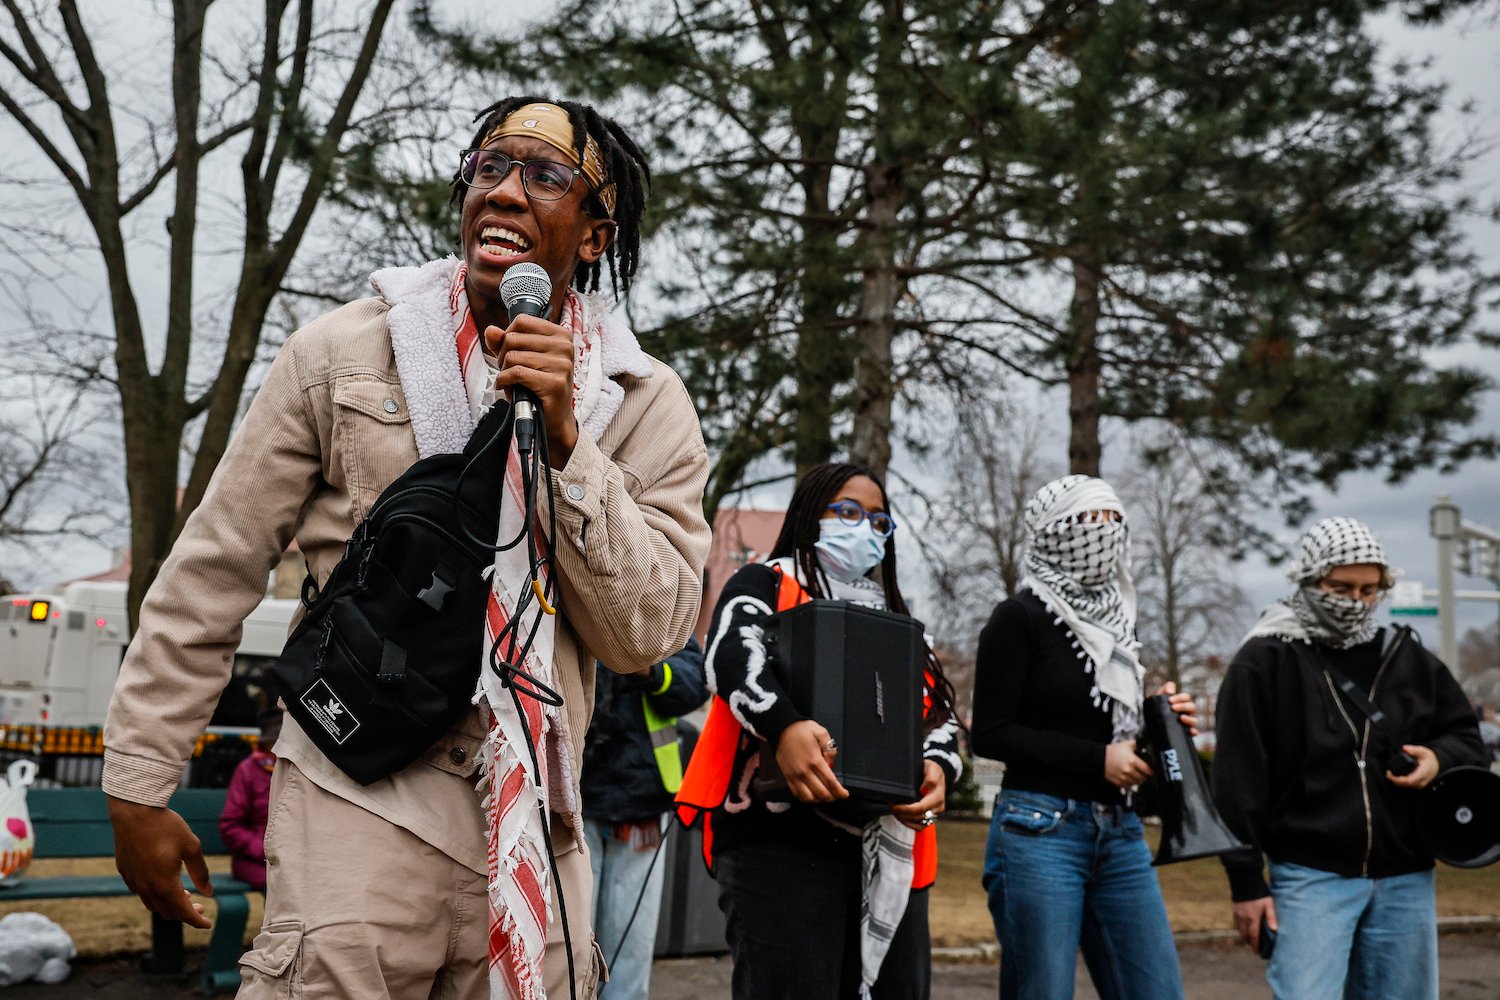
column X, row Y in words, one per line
column 551, row 124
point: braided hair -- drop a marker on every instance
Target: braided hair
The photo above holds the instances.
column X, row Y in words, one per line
column 800, row 531
column 624, row 166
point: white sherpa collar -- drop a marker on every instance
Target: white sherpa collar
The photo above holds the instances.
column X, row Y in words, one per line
column 422, row 339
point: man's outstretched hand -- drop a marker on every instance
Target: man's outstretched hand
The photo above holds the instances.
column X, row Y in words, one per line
column 152, row 843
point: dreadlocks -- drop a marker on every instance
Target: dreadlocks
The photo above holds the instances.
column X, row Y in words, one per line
column 625, row 167
column 802, row 527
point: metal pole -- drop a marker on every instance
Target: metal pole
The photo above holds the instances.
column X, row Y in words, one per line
column 1444, row 522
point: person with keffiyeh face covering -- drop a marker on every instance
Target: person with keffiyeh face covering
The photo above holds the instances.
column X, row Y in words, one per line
column 1057, row 697
column 466, row 873
column 1303, row 776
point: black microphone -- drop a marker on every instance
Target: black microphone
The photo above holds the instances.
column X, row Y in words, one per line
column 526, row 290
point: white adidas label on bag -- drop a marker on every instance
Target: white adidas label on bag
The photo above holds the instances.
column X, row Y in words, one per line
column 330, row 711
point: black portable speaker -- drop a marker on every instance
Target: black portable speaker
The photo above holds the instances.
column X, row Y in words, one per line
column 858, row 672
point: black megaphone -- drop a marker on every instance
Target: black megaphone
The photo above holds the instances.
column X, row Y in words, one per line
column 1190, row 825
column 1459, row 817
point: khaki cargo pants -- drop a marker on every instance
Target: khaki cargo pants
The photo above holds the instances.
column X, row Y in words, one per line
column 360, row 908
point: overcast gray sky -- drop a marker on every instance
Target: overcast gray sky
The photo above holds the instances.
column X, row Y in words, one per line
column 1466, row 52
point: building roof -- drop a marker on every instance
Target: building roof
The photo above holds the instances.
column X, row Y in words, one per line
column 741, row 535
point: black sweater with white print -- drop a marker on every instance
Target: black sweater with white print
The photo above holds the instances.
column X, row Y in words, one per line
column 739, row 671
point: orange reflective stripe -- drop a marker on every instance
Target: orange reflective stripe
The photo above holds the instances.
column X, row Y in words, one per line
column 924, row 858
column 924, row 852
column 705, row 783
column 789, row 593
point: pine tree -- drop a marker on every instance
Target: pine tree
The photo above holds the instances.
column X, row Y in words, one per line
column 1258, row 235
column 1227, row 216
column 816, row 164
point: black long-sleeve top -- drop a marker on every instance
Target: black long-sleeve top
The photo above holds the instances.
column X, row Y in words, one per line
column 1033, row 708
column 1289, row 778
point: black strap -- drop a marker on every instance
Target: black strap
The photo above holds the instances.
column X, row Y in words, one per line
column 1360, row 700
column 392, row 664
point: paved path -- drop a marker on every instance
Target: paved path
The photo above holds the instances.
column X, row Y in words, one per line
column 1470, row 971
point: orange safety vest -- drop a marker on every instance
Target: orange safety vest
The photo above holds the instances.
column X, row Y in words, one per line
column 705, row 785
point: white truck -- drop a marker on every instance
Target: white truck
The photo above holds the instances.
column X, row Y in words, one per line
column 60, row 654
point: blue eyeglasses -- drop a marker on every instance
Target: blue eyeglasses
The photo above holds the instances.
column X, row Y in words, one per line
column 851, row 513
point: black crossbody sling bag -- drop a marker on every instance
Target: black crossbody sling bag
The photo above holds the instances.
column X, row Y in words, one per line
column 387, row 657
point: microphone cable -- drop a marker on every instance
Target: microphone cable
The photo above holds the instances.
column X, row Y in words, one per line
column 640, row 896
column 536, row 473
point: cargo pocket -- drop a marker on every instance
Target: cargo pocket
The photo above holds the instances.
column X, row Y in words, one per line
column 599, row 974
column 270, row 969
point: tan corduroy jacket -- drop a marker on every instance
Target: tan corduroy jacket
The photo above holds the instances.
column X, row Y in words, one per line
column 326, row 433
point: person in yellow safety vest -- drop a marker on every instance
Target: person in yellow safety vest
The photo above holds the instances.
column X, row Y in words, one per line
column 632, row 765
column 854, row 876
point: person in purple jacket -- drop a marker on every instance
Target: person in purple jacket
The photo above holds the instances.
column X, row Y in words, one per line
column 243, row 822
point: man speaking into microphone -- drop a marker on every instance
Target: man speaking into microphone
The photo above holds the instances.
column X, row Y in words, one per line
column 431, row 881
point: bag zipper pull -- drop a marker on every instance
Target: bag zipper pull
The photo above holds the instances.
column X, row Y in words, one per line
column 364, row 566
column 323, row 646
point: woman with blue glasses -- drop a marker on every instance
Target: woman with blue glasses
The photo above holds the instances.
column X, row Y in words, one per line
column 1057, row 697
column 820, row 901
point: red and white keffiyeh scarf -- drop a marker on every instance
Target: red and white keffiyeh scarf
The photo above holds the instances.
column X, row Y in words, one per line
column 429, row 322
column 517, row 798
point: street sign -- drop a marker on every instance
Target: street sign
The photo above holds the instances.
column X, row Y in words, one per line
column 1407, row 594
column 1415, row 612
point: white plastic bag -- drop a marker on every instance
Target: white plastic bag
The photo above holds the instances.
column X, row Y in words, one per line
column 33, row 947
column 17, row 838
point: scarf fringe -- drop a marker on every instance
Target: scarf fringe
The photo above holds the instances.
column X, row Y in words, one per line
column 1125, row 719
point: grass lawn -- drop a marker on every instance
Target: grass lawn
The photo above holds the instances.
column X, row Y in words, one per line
column 1196, row 892
column 114, row 926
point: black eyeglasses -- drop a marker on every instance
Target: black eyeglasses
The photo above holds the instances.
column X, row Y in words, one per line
column 543, row 180
column 851, row 513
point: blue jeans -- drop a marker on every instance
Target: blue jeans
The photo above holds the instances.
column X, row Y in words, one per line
column 620, row 875
column 1063, row 874
column 1345, row 938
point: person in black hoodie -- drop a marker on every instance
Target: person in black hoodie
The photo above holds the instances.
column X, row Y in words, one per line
column 1302, row 775
column 632, row 765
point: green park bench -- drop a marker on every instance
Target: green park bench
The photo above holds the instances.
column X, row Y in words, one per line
column 74, row 823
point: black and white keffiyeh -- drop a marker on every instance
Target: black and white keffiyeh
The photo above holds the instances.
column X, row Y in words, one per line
column 886, row 845
column 1312, row 614
column 1081, row 572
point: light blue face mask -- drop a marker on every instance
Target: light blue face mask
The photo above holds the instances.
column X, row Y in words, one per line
column 848, row 551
